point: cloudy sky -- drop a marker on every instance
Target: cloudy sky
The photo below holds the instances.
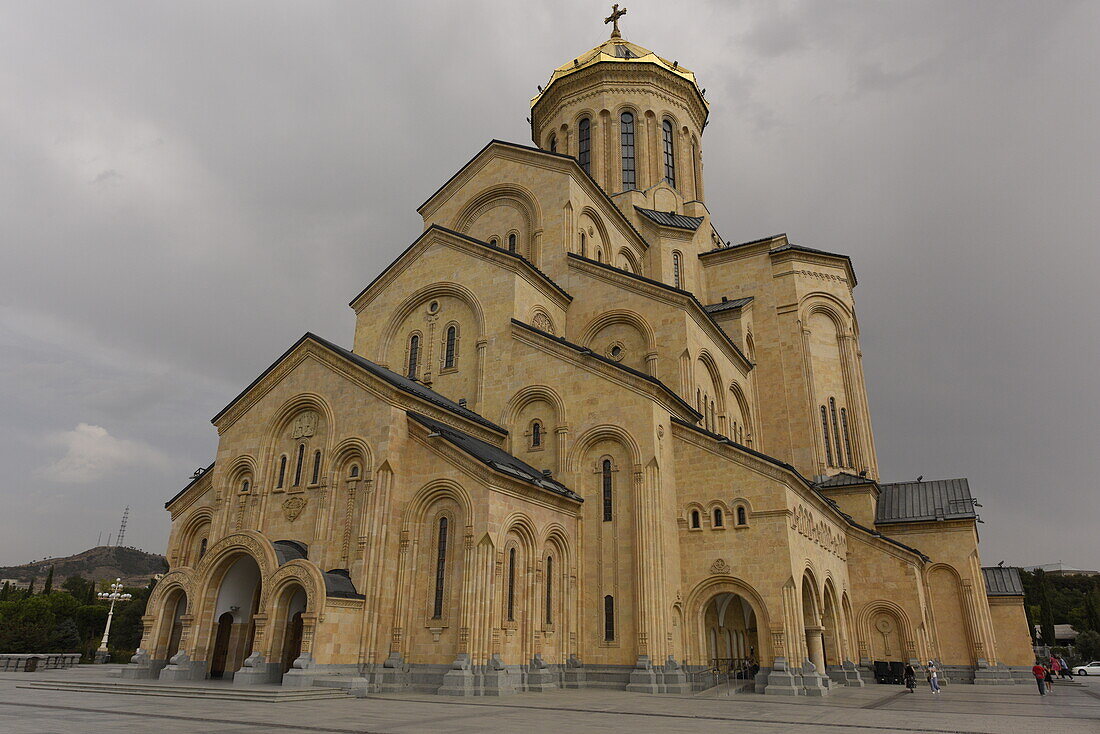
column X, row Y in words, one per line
column 186, row 188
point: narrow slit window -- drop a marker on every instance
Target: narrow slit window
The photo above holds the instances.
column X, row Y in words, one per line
column 847, row 441
column 626, row 138
column 316, row 467
column 695, row 520
column 245, row 485
column 608, row 507
column 511, row 585
column 836, row 433
column 741, row 516
column 825, row 435
column 609, row 618
column 512, row 242
column 536, row 435
column 298, row 464
column 202, row 548
column 677, row 274
column 584, row 245
column 584, row 144
column 670, row 155
column 414, row 356
column 282, row 472
column 549, row 590
column 449, row 350
column 553, row 145
column 440, row 568
column 718, row 518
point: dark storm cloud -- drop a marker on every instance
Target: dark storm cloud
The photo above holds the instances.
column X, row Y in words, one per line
column 188, row 187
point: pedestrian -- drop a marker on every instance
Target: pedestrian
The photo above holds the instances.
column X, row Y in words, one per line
column 1056, row 667
column 1040, row 674
column 1066, row 670
column 910, row 678
column 1049, row 679
column 933, row 678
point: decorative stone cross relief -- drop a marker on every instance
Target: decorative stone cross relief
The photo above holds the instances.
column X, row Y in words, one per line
column 720, row 566
column 293, row 507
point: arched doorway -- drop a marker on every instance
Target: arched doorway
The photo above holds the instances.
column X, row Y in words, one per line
column 233, row 629
column 731, row 634
column 178, row 605
column 811, row 616
column 832, row 635
column 289, row 608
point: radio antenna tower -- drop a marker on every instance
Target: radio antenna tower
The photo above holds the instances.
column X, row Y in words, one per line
column 122, row 527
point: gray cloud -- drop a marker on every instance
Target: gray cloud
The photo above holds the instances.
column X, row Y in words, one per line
column 187, row 188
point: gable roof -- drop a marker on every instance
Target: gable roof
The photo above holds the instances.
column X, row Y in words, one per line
column 943, row 499
column 410, row 387
column 683, row 404
column 787, row 246
column 671, row 219
column 439, row 229
column 494, row 457
column 1002, row 581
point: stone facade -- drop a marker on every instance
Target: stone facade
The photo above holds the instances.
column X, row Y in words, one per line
column 580, row 441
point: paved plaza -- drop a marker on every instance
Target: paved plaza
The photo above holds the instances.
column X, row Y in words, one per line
column 988, row 710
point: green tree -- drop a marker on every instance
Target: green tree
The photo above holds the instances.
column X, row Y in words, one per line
column 48, row 587
column 76, row 585
column 65, row 637
column 25, row 625
column 1092, row 610
column 90, row 595
column 6, row 591
column 30, row 590
column 1088, row 645
column 1046, row 612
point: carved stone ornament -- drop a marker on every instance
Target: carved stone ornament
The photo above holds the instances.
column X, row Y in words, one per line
column 305, row 424
column 720, row 566
column 542, row 322
column 293, row 507
column 884, row 625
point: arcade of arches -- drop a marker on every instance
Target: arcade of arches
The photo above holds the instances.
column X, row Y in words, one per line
column 579, row 439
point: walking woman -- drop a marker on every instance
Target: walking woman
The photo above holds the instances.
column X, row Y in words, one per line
column 910, row 678
column 933, row 678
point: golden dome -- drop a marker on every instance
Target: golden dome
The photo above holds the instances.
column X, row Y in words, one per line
column 618, row 51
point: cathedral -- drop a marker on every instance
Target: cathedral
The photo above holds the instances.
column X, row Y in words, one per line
column 579, row 440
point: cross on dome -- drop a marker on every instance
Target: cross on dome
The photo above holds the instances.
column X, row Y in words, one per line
column 614, row 20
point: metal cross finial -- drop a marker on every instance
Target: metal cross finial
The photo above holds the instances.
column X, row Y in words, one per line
column 614, row 20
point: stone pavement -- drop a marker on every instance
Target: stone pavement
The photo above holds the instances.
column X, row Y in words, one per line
column 982, row 710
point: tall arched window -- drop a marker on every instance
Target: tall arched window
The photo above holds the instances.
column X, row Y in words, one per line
column 354, row 473
column 718, row 517
column 298, row 464
column 836, row 432
column 512, row 242
column 670, row 155
column 549, row 590
column 606, row 483
column 741, row 520
column 825, row 435
column 626, row 138
column 584, row 246
column 282, row 472
column 245, row 486
column 511, row 616
column 414, row 356
column 608, row 618
column 677, row 270
column 695, row 520
column 440, row 568
column 847, row 442
column 494, row 242
column 449, row 347
column 316, row 467
column 202, row 548
column 536, row 435
column 553, row 144
column 584, row 144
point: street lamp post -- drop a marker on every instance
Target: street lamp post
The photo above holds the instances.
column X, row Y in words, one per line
column 115, row 594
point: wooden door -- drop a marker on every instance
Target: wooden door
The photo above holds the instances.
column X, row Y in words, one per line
column 292, row 641
column 221, row 645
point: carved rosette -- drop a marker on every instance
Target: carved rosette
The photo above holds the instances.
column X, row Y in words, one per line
column 720, row 567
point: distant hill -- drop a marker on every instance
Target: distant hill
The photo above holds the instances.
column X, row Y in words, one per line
column 135, row 567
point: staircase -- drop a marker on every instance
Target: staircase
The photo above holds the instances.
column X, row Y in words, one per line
column 199, row 689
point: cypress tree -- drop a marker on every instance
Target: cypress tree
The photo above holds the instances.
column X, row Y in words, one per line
column 48, row 587
column 6, row 591
column 1092, row 612
column 90, row 595
column 1046, row 613
column 30, row 590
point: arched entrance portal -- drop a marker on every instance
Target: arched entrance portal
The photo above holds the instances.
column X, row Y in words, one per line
column 288, row 625
column 234, row 630
column 731, row 634
column 175, row 631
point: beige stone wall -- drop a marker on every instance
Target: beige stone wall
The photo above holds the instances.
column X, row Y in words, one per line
column 1010, row 624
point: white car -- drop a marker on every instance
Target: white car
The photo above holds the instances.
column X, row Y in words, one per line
column 1092, row 668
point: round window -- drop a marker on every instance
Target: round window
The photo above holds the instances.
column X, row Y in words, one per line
column 433, row 307
column 616, row 352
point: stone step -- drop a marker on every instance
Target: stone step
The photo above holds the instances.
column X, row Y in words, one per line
column 227, row 693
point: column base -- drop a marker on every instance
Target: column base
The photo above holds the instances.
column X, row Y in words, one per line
column 643, row 679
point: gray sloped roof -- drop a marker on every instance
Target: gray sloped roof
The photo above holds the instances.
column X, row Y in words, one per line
column 844, row 479
column 496, row 458
column 671, row 219
column 290, row 550
column 728, row 305
column 1003, row 581
column 338, row 584
column 942, row 499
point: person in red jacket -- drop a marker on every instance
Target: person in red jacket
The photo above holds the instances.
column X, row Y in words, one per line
column 1040, row 674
